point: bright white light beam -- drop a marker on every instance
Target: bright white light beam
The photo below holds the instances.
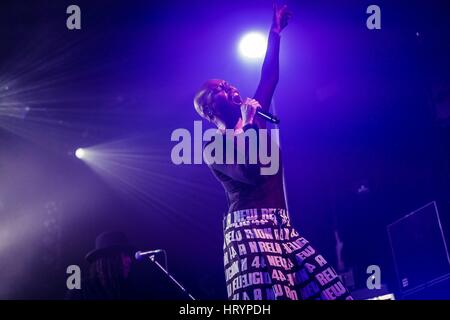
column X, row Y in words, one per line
column 253, row 46
column 80, row 153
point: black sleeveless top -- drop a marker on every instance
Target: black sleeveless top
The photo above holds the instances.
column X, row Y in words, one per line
column 245, row 186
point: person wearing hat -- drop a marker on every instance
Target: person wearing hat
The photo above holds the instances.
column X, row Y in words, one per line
column 109, row 267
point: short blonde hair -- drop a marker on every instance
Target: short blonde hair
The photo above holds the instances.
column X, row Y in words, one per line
column 202, row 101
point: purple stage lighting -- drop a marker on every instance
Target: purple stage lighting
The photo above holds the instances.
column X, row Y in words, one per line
column 253, row 46
column 80, row 153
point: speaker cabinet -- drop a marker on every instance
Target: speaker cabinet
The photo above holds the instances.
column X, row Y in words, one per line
column 419, row 250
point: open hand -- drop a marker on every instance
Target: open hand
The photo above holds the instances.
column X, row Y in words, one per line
column 281, row 17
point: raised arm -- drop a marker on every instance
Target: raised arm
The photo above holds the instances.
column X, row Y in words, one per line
column 271, row 65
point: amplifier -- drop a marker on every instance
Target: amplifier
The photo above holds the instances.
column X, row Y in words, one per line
column 419, row 249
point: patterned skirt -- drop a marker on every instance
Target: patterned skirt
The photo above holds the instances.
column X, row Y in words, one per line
column 266, row 259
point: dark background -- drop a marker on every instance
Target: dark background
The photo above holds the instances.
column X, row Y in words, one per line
column 358, row 107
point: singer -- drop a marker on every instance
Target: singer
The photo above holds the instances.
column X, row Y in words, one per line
column 264, row 256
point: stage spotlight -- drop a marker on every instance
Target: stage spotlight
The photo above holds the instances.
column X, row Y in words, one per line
column 80, row 153
column 253, row 45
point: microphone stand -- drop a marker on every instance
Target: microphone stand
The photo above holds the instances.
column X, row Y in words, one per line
column 166, row 272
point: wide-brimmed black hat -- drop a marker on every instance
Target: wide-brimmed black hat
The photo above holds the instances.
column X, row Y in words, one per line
column 110, row 242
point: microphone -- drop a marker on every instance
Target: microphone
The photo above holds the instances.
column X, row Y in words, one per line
column 268, row 116
column 139, row 255
column 236, row 98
